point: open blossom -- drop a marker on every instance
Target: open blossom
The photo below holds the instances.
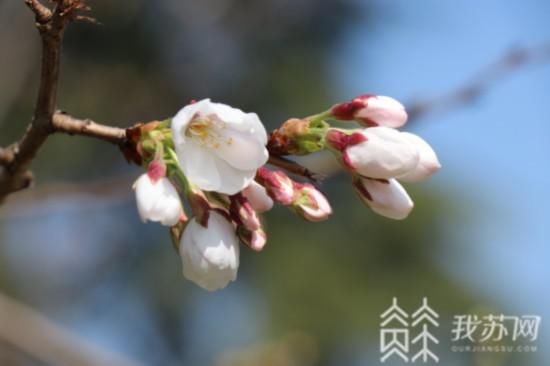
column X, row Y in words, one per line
column 258, row 197
column 157, row 200
column 385, row 197
column 210, row 254
column 311, row 204
column 219, row 147
column 428, row 162
column 371, row 111
column 377, row 152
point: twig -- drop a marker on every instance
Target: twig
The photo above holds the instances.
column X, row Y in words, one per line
column 292, row 167
column 64, row 123
column 6, row 156
column 42, row 13
column 481, row 81
column 51, row 24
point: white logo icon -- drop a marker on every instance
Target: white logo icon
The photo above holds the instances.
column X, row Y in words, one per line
column 395, row 333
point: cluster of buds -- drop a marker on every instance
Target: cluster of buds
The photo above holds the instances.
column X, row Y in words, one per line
column 212, row 158
column 377, row 155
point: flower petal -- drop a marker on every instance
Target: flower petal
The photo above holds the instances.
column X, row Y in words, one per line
column 233, row 180
column 428, row 163
column 210, row 255
column 383, row 111
column 199, row 165
column 241, row 150
column 385, row 154
column 257, row 195
column 387, row 198
column 184, row 116
column 157, row 201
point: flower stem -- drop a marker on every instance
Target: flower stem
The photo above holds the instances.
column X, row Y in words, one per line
column 320, row 116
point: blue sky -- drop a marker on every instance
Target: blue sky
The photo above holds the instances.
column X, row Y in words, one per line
column 494, row 152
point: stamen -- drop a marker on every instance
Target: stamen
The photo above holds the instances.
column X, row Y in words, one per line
column 207, row 129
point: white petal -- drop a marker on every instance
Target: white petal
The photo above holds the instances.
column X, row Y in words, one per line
column 257, row 195
column 388, row 199
column 233, row 180
column 428, row 163
column 256, row 127
column 241, row 150
column 184, row 116
column 236, row 119
column 210, row 255
column 385, row 154
column 158, row 202
column 384, row 111
column 227, row 113
column 199, row 165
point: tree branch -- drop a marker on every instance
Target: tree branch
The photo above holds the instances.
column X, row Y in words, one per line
column 481, row 81
column 51, row 24
column 292, row 167
column 64, row 123
column 16, row 159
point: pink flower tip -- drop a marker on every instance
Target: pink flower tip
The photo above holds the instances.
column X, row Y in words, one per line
column 156, row 170
column 372, row 110
column 310, row 203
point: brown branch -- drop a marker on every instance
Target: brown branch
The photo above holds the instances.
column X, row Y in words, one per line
column 42, row 13
column 51, row 24
column 471, row 90
column 292, row 167
column 16, row 159
column 73, row 126
column 66, row 124
column 6, row 156
column 63, row 123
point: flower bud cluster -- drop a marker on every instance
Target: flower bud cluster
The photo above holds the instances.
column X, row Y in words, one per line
column 212, row 157
column 379, row 156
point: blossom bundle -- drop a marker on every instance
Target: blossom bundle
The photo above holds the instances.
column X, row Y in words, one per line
column 211, row 158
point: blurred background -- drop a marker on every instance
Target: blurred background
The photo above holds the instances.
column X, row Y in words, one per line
column 74, row 250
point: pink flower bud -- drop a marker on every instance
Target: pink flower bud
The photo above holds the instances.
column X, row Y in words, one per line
column 311, row 204
column 242, row 212
column 384, row 153
column 256, row 239
column 428, row 164
column 385, row 197
column 156, row 170
column 371, row 111
column 340, row 140
column 257, row 195
column 277, row 184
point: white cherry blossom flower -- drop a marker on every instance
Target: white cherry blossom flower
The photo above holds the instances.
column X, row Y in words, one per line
column 210, row 255
column 157, row 200
column 385, row 197
column 376, row 152
column 372, row 111
column 219, row 147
